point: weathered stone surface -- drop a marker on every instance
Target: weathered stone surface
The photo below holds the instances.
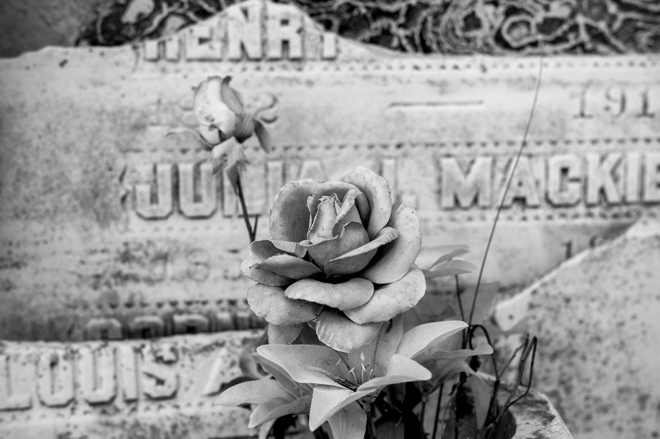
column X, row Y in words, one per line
column 596, row 317
column 106, row 217
column 127, row 389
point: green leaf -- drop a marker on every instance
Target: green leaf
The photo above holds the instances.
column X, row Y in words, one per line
column 349, row 422
column 482, row 393
column 422, row 336
column 252, row 392
column 450, row 268
column 306, row 363
column 484, row 304
column 430, row 256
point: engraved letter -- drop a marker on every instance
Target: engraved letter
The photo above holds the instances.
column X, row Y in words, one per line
column 147, row 327
column 200, row 44
column 389, row 172
column 523, row 185
column 14, row 384
column 564, row 180
column 456, row 186
column 161, row 207
column 97, row 374
column 652, row 178
column 244, row 31
column 128, row 372
column 159, row 380
column 274, row 181
column 284, row 26
column 55, row 378
column 633, row 177
column 200, row 203
column 600, row 178
column 219, row 373
column 103, row 329
column 190, row 324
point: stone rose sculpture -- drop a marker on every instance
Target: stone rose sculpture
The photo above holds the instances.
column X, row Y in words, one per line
column 340, row 261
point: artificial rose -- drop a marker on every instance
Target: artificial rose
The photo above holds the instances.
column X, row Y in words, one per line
column 221, row 115
column 340, row 261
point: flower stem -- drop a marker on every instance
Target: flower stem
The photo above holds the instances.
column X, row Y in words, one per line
column 246, row 218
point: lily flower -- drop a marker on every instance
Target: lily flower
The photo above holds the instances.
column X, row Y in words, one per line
column 345, row 384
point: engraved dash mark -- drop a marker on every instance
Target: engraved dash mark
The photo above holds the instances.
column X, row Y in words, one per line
column 436, row 104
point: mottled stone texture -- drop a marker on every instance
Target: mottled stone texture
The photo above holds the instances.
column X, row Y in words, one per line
column 596, row 317
column 464, row 27
column 160, row 388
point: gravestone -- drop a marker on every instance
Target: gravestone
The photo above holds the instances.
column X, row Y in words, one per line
column 596, row 317
column 126, row 389
column 113, row 229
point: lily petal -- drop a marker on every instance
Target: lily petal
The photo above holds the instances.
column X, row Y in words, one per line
column 289, row 266
column 391, row 299
column 400, row 370
column 271, row 304
column 277, row 408
column 392, row 261
column 344, row 295
column 306, row 363
column 423, row 336
column 289, row 217
column 349, row 422
column 283, row 334
column 357, row 259
column 377, row 191
column 335, row 330
column 326, row 401
column 252, row 392
column 377, row 354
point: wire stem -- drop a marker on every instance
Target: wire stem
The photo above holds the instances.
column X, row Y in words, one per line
column 241, row 197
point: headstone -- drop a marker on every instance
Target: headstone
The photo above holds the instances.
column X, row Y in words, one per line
column 596, row 317
column 137, row 389
column 112, row 229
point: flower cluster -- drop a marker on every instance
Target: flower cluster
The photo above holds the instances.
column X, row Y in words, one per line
column 340, row 259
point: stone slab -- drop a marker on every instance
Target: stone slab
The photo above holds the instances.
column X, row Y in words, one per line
column 596, row 317
column 108, row 223
column 126, row 389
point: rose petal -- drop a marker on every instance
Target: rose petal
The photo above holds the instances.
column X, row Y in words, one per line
column 283, row 334
column 390, row 300
column 271, row 304
column 292, row 248
column 324, row 221
column 344, row 295
column 357, row 259
column 209, row 108
column 209, row 133
column 341, row 189
column 289, row 217
column 377, row 191
column 289, row 266
column 343, row 335
column 393, row 260
column 249, row 269
column 351, row 237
